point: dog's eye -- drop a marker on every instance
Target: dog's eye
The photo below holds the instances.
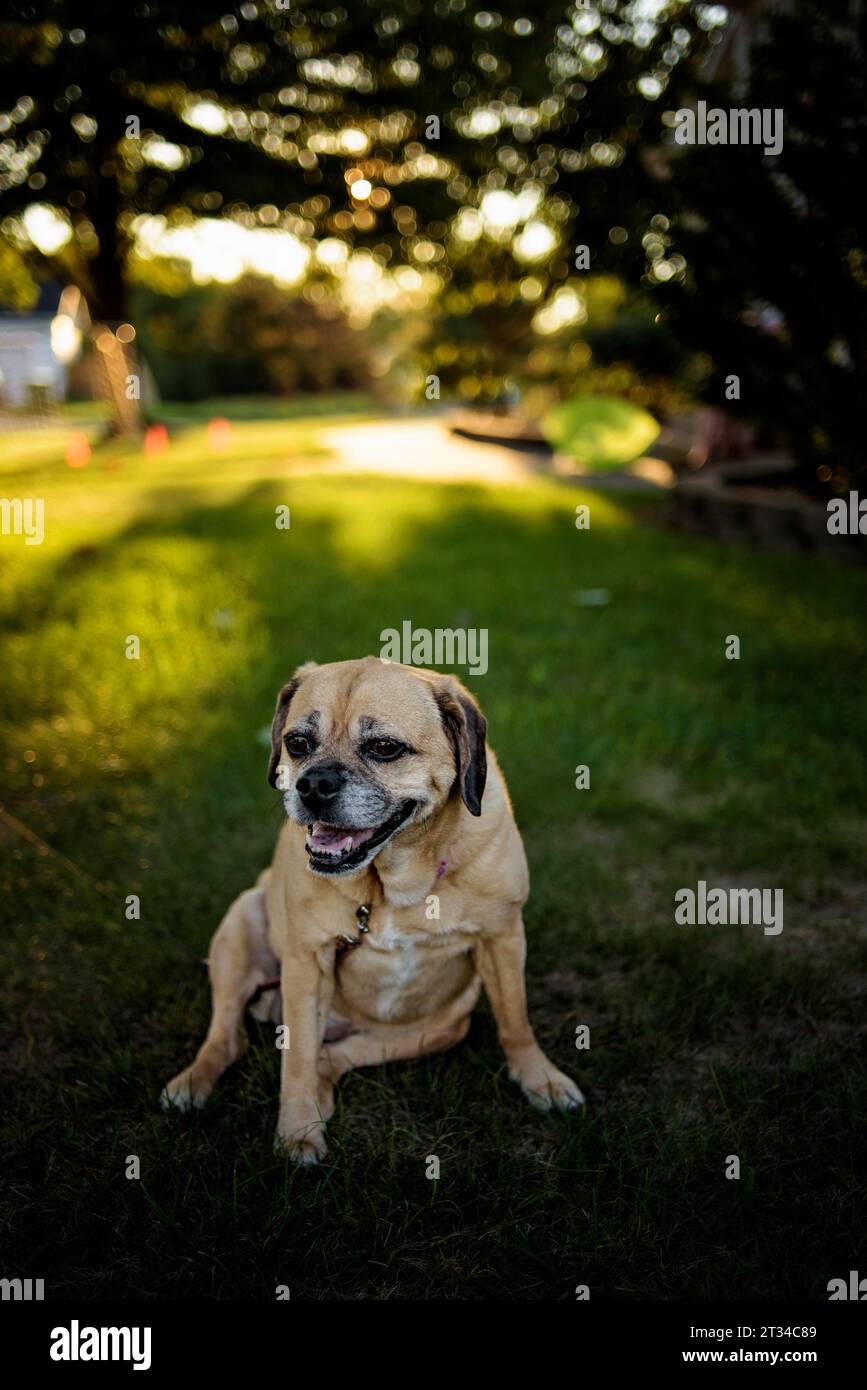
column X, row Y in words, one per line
column 297, row 745
column 385, row 749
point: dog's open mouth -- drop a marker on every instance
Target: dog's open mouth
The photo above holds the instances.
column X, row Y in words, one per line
column 334, row 849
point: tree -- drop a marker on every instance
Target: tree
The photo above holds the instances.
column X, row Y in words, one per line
column 152, row 108
column 593, row 148
column 18, row 289
column 257, row 111
column 775, row 248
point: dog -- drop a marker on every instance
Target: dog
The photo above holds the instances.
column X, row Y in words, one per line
column 394, row 895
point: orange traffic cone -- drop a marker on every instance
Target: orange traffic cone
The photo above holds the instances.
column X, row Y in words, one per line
column 156, row 440
column 78, row 450
column 219, row 433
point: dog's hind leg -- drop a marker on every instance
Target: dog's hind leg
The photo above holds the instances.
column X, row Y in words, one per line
column 239, row 959
column 370, row 1048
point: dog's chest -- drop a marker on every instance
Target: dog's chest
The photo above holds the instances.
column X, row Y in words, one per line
column 398, row 959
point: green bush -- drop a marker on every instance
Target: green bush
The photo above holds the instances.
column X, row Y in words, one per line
column 601, row 432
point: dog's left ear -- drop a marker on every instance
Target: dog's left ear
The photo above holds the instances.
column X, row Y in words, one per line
column 467, row 728
column 279, row 720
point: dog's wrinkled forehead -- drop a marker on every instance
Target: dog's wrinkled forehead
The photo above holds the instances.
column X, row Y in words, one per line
column 349, row 700
column 340, row 706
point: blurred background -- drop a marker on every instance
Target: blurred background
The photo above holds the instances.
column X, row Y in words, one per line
column 438, row 202
column 428, row 283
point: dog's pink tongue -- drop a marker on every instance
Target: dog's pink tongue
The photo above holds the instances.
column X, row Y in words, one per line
column 335, row 839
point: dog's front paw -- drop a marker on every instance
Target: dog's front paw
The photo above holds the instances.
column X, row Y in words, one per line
column 186, row 1091
column 305, row 1145
column 545, row 1087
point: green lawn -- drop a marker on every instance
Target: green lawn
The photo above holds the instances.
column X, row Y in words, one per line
column 234, row 408
column 149, row 776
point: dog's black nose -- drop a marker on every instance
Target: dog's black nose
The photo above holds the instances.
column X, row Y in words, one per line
column 320, row 785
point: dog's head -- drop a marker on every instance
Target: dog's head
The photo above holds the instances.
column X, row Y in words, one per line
column 361, row 750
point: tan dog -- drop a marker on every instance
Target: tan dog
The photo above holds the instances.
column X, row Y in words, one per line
column 411, row 853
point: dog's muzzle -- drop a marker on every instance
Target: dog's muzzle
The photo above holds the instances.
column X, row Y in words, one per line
column 335, row 849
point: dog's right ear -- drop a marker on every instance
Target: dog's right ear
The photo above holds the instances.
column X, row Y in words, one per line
column 283, row 701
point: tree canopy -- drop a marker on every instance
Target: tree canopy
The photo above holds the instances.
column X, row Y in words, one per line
column 777, row 248
column 377, row 124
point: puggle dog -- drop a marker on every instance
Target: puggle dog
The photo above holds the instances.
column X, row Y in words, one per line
column 394, row 895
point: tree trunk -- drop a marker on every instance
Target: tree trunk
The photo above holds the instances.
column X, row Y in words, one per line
column 109, row 307
column 108, row 296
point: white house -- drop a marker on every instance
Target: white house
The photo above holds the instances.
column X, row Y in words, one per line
column 36, row 346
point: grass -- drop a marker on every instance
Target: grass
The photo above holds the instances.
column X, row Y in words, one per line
column 230, row 407
column 269, row 407
column 148, row 776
